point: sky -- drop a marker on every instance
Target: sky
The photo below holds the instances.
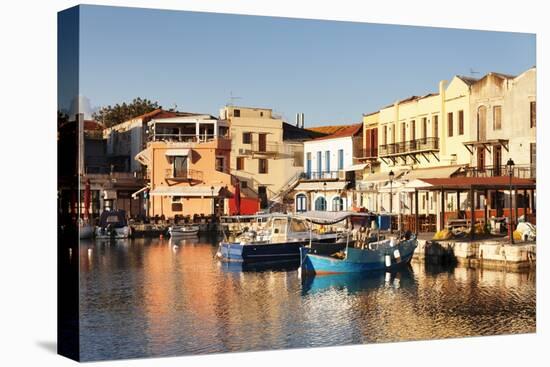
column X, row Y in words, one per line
column 331, row 71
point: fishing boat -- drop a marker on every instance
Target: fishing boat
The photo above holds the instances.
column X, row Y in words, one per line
column 113, row 225
column 388, row 254
column 279, row 238
column 183, row 231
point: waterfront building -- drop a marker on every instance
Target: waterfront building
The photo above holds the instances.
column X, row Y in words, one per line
column 187, row 166
column 331, row 162
column 266, row 155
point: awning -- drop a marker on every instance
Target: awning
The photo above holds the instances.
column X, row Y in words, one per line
column 143, row 157
column 437, row 172
column 320, row 186
column 383, row 176
column 186, row 191
column 356, row 167
column 177, row 152
column 395, row 187
column 135, row 194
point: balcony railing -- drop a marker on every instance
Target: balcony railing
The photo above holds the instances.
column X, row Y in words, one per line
column 520, row 171
column 411, row 146
column 189, row 174
column 368, row 153
column 184, row 138
column 329, row 175
column 267, row 148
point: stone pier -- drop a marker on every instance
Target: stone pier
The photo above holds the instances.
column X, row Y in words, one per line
column 490, row 254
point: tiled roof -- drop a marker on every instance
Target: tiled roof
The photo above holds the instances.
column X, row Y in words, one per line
column 339, row 131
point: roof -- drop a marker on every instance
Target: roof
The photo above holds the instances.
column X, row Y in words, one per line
column 92, row 125
column 292, row 132
column 467, row 79
column 341, row 131
column 464, row 183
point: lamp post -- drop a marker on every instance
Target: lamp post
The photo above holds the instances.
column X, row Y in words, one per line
column 325, row 195
column 391, row 176
column 510, row 165
column 213, row 203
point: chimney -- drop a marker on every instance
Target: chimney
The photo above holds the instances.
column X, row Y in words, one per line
column 297, row 120
column 302, row 121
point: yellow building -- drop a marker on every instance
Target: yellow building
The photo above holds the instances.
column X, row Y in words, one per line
column 266, row 153
column 187, row 161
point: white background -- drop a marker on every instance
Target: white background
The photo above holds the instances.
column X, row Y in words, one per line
column 28, row 179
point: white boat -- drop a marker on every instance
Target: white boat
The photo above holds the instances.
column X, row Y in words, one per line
column 113, row 225
column 183, row 231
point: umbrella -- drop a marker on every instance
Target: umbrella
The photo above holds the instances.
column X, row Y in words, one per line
column 238, row 198
column 87, row 198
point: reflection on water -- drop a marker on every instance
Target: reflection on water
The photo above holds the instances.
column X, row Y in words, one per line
column 156, row 297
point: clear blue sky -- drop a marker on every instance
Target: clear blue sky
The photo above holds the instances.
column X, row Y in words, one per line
column 331, row 71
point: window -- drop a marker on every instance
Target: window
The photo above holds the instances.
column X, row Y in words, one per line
column 460, row 122
column 237, row 113
column 393, row 133
column 436, row 126
column 262, row 142
column 177, row 205
column 385, row 135
column 240, row 163
column 262, row 165
column 262, row 195
column 319, row 164
column 413, row 130
column 220, row 164
column 308, row 164
column 327, row 161
column 497, row 117
column 533, row 151
column 180, row 167
column 301, row 203
column 403, row 131
column 337, row 204
column 424, row 129
column 244, row 184
column 450, row 124
column 261, row 114
column 320, row 204
column 340, row 159
column 533, row 114
column 247, row 138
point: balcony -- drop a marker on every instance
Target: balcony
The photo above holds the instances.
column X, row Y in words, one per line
column 410, row 148
column 183, row 175
column 368, row 154
column 265, row 148
column 326, row 176
column 520, row 171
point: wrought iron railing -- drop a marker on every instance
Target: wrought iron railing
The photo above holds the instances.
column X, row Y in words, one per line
column 417, row 145
column 189, row 174
column 322, row 175
column 519, row 171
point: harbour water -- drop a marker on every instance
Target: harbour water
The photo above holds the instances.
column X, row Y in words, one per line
column 156, row 297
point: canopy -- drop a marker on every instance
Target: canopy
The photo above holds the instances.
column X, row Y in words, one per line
column 437, row 172
column 186, row 191
column 320, row 186
column 177, row 152
column 322, row 217
column 135, row 194
column 356, row 167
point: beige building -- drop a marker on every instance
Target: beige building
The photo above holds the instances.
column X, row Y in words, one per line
column 187, row 160
column 266, row 153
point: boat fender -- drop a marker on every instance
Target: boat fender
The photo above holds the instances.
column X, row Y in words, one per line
column 392, row 242
column 397, row 255
column 388, row 261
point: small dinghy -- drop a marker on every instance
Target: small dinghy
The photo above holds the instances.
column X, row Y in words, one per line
column 183, row 231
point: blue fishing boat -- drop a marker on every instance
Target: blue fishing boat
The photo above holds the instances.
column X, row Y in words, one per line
column 389, row 255
column 279, row 238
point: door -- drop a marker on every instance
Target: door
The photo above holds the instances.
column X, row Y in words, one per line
column 497, row 160
column 481, row 160
column 262, row 145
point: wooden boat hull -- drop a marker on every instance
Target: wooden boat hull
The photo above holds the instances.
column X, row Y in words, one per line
column 183, row 233
column 360, row 261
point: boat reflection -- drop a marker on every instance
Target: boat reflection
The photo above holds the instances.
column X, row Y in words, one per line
column 357, row 282
column 239, row 266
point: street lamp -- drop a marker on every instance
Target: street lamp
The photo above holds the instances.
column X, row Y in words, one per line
column 325, row 194
column 391, row 176
column 510, row 165
column 213, row 204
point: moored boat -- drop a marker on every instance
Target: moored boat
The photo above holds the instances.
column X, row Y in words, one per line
column 113, row 224
column 183, row 231
column 388, row 255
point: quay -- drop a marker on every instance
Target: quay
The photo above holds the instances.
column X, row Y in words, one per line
column 491, row 253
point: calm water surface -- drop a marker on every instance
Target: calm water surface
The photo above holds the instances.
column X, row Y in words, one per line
column 146, row 297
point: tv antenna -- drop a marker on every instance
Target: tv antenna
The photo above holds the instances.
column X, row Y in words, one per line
column 472, row 72
column 232, row 99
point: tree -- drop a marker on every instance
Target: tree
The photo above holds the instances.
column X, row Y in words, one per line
column 112, row 115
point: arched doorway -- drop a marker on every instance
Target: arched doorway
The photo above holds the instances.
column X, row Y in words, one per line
column 337, row 204
column 320, row 204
